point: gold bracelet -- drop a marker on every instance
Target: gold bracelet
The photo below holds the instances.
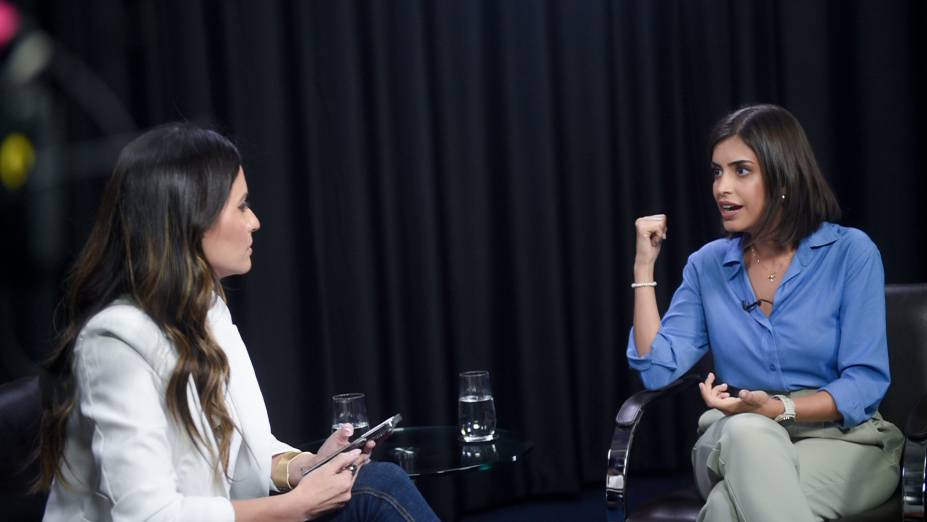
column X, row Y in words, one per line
column 288, row 468
column 280, row 474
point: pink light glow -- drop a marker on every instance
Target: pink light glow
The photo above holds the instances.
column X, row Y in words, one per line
column 9, row 23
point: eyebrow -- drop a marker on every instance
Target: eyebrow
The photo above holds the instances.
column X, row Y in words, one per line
column 734, row 163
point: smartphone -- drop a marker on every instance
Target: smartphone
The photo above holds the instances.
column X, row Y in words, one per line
column 375, row 433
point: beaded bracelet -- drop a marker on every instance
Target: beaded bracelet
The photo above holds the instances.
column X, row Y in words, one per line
column 642, row 285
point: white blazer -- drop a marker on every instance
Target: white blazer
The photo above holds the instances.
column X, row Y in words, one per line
column 127, row 458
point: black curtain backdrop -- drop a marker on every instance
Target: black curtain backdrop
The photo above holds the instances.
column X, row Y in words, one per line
column 446, row 186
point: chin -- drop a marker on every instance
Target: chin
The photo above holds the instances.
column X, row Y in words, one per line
column 731, row 227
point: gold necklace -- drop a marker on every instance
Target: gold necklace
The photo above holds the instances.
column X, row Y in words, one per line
column 756, row 261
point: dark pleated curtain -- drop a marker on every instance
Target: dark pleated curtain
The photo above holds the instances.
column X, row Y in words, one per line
column 446, row 186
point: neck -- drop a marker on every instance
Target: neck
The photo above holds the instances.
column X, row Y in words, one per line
column 769, row 249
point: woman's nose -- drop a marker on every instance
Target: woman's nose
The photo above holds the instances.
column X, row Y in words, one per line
column 723, row 184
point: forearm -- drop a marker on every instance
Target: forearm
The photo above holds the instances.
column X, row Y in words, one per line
column 646, row 313
column 819, row 407
column 295, row 465
column 279, row 508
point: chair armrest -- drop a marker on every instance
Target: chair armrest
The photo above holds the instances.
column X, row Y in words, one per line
column 631, row 410
column 914, row 462
column 626, row 422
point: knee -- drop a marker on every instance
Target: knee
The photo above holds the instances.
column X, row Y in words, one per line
column 748, row 425
column 383, row 476
column 751, row 433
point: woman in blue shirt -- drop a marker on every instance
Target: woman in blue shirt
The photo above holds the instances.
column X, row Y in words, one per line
column 792, row 308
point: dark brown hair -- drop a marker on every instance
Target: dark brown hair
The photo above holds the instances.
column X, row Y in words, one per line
column 789, row 168
column 168, row 187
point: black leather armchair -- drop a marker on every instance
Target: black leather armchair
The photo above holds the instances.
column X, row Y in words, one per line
column 905, row 404
column 20, row 413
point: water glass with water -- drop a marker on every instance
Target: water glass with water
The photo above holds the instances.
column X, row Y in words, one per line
column 476, row 410
column 350, row 408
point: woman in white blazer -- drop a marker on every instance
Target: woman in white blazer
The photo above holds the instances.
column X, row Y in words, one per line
column 152, row 410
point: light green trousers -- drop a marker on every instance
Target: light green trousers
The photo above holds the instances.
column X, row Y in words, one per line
column 749, row 468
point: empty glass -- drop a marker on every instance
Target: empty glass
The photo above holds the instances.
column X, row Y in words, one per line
column 350, row 408
column 476, row 411
column 405, row 458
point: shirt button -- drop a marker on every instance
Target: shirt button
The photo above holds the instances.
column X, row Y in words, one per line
column 772, row 367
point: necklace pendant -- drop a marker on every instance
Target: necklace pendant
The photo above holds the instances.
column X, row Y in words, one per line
column 771, row 277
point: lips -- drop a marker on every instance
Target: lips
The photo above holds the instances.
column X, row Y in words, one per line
column 728, row 209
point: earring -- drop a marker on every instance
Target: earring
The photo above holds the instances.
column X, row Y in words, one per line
column 783, row 196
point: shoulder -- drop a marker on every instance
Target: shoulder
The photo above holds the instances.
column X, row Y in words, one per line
column 850, row 241
column 130, row 327
column 121, row 319
column 855, row 238
column 843, row 251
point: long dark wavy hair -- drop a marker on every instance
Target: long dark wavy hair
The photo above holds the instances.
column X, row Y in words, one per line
column 167, row 188
column 789, row 168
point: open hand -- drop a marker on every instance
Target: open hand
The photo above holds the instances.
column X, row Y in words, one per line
column 745, row 402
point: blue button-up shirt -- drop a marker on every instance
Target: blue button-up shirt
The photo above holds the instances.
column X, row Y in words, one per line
column 826, row 330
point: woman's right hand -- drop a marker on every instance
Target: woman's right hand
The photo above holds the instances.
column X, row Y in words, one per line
column 651, row 231
column 328, row 487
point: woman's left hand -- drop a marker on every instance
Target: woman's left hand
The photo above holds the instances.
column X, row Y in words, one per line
column 337, row 440
column 334, row 443
column 746, row 401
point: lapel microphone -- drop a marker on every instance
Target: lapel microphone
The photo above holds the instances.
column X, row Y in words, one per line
column 748, row 307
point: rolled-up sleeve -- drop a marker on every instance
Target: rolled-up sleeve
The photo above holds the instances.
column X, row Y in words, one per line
column 681, row 340
column 862, row 356
column 131, row 449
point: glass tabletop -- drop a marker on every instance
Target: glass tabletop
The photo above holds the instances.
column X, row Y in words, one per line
column 436, row 450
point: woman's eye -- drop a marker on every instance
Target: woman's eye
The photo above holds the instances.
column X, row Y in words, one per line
column 715, row 172
column 742, row 171
column 244, row 205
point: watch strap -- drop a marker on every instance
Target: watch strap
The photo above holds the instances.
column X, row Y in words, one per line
column 788, row 415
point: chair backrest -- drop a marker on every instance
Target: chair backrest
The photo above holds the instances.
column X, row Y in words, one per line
column 20, row 414
column 906, row 322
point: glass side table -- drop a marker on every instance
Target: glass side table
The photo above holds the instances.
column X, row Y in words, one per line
column 424, row 451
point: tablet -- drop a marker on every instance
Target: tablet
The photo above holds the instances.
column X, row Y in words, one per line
column 375, row 433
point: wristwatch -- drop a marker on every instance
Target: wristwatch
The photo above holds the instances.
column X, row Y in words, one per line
column 787, row 417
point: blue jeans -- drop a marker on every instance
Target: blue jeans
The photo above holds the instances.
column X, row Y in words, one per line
column 383, row 492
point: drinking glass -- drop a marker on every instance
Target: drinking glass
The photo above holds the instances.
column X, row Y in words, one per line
column 350, row 408
column 405, row 458
column 478, row 454
column 476, row 411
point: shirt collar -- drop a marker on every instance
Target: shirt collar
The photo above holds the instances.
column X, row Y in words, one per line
column 733, row 257
column 824, row 235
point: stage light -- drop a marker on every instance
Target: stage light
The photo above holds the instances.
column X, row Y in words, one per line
column 17, row 157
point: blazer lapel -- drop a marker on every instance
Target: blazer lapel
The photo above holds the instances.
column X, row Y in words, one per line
column 248, row 404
